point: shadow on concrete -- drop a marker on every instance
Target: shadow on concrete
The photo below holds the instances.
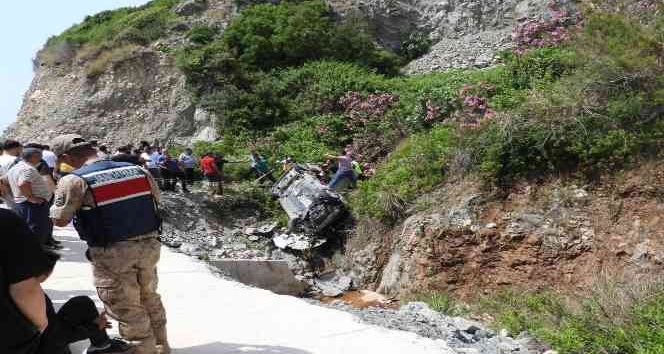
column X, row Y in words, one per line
column 234, row 348
column 73, row 250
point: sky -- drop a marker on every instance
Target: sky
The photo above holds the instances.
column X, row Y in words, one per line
column 25, row 25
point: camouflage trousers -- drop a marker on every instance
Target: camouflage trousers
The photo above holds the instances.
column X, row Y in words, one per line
column 125, row 275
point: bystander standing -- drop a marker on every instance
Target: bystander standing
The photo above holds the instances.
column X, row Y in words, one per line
column 212, row 174
column 189, row 164
column 31, row 194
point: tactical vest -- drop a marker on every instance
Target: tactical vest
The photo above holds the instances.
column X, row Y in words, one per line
column 124, row 204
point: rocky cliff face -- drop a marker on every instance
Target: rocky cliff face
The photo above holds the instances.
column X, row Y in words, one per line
column 538, row 235
column 143, row 96
column 466, row 33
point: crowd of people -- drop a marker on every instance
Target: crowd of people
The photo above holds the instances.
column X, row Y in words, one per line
column 186, row 168
column 112, row 199
column 113, row 203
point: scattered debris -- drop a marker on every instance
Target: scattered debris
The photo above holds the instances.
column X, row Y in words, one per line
column 200, row 228
column 297, row 242
column 192, row 250
column 333, row 285
column 266, row 229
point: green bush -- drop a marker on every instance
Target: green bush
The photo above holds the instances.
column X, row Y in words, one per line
column 316, row 87
column 201, row 34
column 415, row 46
column 413, row 168
column 311, row 139
column 289, row 34
column 539, row 66
column 593, row 107
column 587, row 327
column 210, row 67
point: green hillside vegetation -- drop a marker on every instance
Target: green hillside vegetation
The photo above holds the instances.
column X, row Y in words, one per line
column 618, row 317
column 288, row 79
column 128, row 25
column 110, row 37
column 590, row 105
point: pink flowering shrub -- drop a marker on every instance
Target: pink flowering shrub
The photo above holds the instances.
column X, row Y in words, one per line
column 474, row 104
column 323, row 130
column 371, row 123
column 648, row 5
column 433, row 112
column 545, row 33
column 363, row 111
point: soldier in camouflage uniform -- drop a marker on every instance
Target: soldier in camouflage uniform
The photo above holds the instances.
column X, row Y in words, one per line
column 114, row 210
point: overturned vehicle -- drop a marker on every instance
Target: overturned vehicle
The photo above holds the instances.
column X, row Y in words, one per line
column 310, row 205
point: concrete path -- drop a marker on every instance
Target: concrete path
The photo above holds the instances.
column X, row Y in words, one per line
column 210, row 315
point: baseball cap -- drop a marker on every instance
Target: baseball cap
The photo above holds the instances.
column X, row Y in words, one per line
column 10, row 144
column 65, row 143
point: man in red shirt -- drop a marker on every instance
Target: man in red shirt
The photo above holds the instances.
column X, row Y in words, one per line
column 212, row 173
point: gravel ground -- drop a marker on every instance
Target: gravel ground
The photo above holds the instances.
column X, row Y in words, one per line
column 465, row 336
column 472, row 51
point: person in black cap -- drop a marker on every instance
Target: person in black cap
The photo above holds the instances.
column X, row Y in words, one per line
column 124, row 155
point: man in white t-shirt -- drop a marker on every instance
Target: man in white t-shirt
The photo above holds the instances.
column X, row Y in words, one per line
column 151, row 157
column 10, row 157
column 11, row 149
column 145, row 156
column 49, row 157
column 32, row 194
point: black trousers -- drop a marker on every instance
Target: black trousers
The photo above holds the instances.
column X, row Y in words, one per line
column 190, row 175
column 37, row 218
column 170, row 179
column 74, row 322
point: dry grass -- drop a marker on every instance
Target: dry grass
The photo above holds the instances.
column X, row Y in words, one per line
column 615, row 294
column 88, row 52
column 220, row 14
column 61, row 53
column 107, row 59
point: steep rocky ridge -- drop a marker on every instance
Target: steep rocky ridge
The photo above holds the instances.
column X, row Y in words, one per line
column 536, row 235
column 143, row 96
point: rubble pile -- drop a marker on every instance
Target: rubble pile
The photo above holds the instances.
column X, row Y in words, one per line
column 478, row 50
column 196, row 225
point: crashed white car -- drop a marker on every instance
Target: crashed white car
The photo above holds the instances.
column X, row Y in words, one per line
column 310, row 205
